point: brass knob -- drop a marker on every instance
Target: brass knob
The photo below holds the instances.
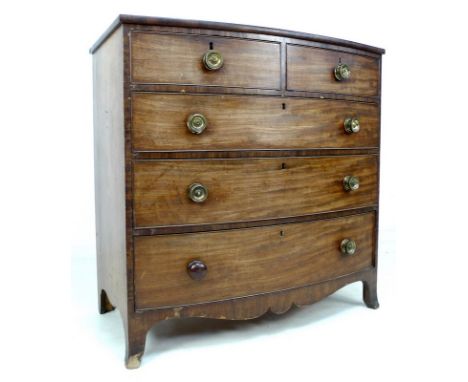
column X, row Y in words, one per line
column 350, row 183
column 197, row 192
column 348, row 247
column 213, row 60
column 197, row 123
column 197, row 269
column 351, row 125
column 342, row 72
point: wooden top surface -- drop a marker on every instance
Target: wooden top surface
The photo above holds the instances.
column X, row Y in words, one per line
column 161, row 21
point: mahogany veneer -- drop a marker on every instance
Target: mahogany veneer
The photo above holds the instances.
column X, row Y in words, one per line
column 237, row 170
column 249, row 122
column 249, row 189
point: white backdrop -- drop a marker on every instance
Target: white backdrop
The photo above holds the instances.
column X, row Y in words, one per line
column 49, row 321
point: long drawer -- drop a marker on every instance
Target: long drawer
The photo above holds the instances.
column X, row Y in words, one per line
column 249, row 189
column 249, row 261
column 249, row 122
column 178, row 59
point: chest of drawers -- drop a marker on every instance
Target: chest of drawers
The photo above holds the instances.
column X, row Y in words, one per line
column 236, row 170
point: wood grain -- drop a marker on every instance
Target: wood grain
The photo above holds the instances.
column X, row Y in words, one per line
column 249, row 122
column 247, row 261
column 311, row 69
column 249, row 189
column 109, row 170
column 159, row 58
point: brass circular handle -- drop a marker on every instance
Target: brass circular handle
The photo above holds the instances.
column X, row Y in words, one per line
column 197, row 269
column 351, row 183
column 348, row 247
column 342, row 72
column 197, row 123
column 351, row 125
column 197, row 192
column 213, row 60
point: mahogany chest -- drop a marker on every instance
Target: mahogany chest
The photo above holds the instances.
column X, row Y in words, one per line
column 236, row 170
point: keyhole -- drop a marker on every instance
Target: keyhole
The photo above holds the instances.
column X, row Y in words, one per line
column 281, row 233
column 283, row 166
column 211, row 46
column 283, row 106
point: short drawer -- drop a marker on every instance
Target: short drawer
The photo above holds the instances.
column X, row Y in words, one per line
column 178, row 59
column 313, row 70
column 246, row 262
column 248, row 189
column 161, row 122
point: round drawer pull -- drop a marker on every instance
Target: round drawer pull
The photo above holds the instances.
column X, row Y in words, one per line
column 197, row 123
column 350, row 183
column 197, row 269
column 348, row 247
column 351, row 125
column 197, row 192
column 213, row 60
column 342, row 72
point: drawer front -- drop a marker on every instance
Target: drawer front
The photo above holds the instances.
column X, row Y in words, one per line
column 312, row 70
column 177, row 59
column 250, row 261
column 247, row 122
column 249, row 189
